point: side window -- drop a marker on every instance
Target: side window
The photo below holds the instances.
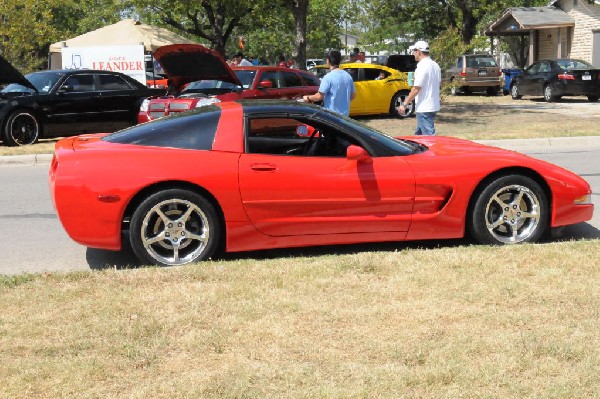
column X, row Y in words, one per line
column 372, row 73
column 310, row 79
column 113, row 82
column 290, row 79
column 459, row 62
column 353, row 72
column 291, row 136
column 274, row 135
column 535, row 68
column 81, row 83
column 544, row 67
column 272, row 77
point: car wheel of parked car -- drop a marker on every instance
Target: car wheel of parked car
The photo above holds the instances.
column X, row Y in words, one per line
column 454, row 88
column 593, row 98
column 514, row 92
column 21, row 128
column 512, row 209
column 174, row 227
column 549, row 94
column 398, row 99
column 492, row 91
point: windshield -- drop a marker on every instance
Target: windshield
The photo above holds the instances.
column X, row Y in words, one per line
column 42, row 81
column 574, row 64
column 479, row 61
column 246, row 77
column 209, row 87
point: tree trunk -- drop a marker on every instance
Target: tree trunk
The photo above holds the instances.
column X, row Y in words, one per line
column 299, row 10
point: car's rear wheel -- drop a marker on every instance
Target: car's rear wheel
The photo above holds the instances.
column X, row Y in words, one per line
column 174, row 227
column 492, row 91
column 21, row 128
column 549, row 95
column 514, row 92
column 398, row 99
column 593, row 98
column 511, row 209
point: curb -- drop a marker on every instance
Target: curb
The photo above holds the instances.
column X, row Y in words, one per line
column 33, row 159
column 510, row 144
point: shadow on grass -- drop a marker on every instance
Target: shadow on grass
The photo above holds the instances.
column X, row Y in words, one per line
column 125, row 259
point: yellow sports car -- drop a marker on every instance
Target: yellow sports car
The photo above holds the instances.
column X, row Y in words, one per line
column 379, row 89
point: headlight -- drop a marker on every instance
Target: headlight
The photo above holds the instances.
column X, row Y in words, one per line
column 583, row 200
column 207, row 101
column 144, row 106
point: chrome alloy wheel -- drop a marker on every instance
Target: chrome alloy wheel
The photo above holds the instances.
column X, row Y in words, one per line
column 175, row 232
column 512, row 214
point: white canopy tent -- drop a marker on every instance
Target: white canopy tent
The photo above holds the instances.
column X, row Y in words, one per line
column 124, row 32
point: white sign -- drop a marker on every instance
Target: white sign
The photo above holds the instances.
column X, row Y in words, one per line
column 125, row 59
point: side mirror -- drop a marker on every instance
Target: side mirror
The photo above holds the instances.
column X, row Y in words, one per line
column 65, row 89
column 359, row 154
column 265, row 84
column 304, row 131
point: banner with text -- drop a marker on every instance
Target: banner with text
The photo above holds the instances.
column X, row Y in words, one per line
column 125, row 59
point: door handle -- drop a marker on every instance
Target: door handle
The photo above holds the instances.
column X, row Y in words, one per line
column 263, row 167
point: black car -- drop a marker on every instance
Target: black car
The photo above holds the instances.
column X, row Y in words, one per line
column 556, row 78
column 66, row 102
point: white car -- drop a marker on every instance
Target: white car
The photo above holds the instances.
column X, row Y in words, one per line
column 311, row 62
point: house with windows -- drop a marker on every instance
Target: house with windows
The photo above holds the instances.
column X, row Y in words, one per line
column 562, row 29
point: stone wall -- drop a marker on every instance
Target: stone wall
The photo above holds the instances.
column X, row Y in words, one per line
column 587, row 19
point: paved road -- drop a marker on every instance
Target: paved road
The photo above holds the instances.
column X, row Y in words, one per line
column 32, row 239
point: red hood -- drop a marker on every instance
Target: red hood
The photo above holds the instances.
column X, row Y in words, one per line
column 443, row 145
column 185, row 63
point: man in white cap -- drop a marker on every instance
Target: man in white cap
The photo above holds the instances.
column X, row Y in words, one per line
column 426, row 89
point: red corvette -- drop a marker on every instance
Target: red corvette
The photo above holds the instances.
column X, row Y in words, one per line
column 248, row 175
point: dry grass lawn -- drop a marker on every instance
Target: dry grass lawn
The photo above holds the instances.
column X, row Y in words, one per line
column 451, row 322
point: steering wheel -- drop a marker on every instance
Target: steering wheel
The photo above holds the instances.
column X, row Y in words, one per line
column 309, row 143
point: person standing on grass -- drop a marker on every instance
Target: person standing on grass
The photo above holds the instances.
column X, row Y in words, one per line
column 426, row 90
column 337, row 87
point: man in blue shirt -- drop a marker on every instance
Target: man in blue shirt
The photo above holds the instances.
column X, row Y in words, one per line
column 337, row 87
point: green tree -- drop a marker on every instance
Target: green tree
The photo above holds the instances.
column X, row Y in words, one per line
column 213, row 21
column 28, row 28
column 432, row 17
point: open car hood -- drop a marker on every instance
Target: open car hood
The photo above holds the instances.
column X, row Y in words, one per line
column 185, row 63
column 8, row 74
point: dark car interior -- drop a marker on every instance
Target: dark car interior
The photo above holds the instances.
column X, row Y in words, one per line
column 291, row 136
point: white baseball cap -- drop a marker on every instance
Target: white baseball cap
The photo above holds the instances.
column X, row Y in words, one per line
column 420, row 45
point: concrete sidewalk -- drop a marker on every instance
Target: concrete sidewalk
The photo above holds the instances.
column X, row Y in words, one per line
column 580, row 141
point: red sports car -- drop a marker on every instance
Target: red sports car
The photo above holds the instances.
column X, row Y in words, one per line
column 249, row 175
column 200, row 76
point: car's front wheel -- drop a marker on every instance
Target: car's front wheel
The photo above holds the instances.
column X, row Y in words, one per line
column 511, row 209
column 22, row 128
column 174, row 227
column 398, row 99
column 514, row 92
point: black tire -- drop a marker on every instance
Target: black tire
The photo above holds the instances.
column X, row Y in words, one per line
column 399, row 98
column 174, row 227
column 454, row 88
column 492, row 91
column 22, row 127
column 514, row 92
column 593, row 99
column 511, row 209
column 549, row 95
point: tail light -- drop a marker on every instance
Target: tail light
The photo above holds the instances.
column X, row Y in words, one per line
column 499, row 72
column 566, row 76
column 463, row 73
